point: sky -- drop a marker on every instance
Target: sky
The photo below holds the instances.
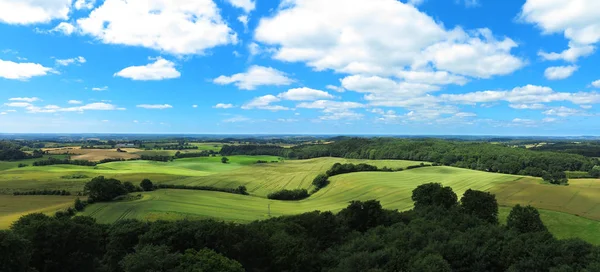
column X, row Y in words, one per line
column 434, row 67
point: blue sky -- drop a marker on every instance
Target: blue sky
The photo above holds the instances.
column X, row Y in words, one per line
column 481, row 67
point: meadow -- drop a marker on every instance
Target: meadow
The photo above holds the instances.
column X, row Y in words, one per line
column 565, row 208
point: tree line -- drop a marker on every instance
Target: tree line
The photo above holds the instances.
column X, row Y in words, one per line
column 472, row 155
column 10, row 151
column 441, row 233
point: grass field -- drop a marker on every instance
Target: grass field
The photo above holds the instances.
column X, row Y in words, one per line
column 392, row 189
column 564, row 225
column 13, row 207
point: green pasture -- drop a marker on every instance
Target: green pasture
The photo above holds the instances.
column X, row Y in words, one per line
column 564, row 225
column 13, row 207
column 392, row 189
column 5, row 165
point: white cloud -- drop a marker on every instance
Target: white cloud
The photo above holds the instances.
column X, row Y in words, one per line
column 3, row 113
column 246, row 5
column 416, row 2
column 223, row 106
column 529, row 94
column 572, row 54
column 155, row 106
column 84, row 4
column 578, row 20
column 99, row 89
column 335, row 88
column 350, row 40
column 254, row 77
column 185, row 27
column 22, row 71
column 105, row 121
column 431, row 77
column 18, row 104
column 304, row 94
column 264, row 103
column 75, row 102
column 564, row 112
column 334, row 110
column 596, row 83
column 25, row 99
column 64, row 28
column 528, row 106
column 244, row 20
column 67, row 62
column 464, row 114
column 236, row 119
column 159, row 70
column 194, row 106
column 30, row 108
column 560, row 72
column 254, row 49
column 25, row 12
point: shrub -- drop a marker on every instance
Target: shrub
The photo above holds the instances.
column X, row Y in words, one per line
column 296, row 194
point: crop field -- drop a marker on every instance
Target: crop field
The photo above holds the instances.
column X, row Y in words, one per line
column 392, row 189
column 564, row 225
column 13, row 207
column 579, row 198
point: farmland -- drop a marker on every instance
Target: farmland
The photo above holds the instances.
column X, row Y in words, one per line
column 393, row 189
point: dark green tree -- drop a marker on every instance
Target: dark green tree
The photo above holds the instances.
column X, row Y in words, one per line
column 122, row 237
column 525, row 219
column 320, row 181
column 15, row 252
column 431, row 262
column 79, row 205
column 151, row 258
column 480, row 204
column 147, row 185
column 362, row 216
column 224, row 160
column 434, row 194
column 207, row 260
column 129, row 186
column 101, row 189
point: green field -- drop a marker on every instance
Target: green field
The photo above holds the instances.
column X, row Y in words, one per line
column 392, row 189
column 13, row 207
column 564, row 225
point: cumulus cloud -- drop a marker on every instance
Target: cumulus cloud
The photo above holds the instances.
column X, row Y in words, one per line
column 25, row 99
column 67, row 62
column 155, row 106
column 596, row 83
column 236, row 119
column 30, row 108
column 264, row 103
column 246, row 5
column 181, row 28
column 528, row 106
column 223, row 106
column 334, row 110
column 33, row 11
column 63, row 28
column 159, row 70
column 75, row 102
column 560, row 72
column 84, row 4
column 255, row 76
column 529, row 94
column 335, row 88
column 304, row 94
column 577, row 20
column 350, row 40
column 564, row 112
column 22, row 70
column 99, row 89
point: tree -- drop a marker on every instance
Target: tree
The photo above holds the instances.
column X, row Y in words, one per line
column 79, row 205
column 242, row 190
column 129, row 186
column 151, row 258
column 434, row 194
column 208, row 260
column 62, row 244
column 431, row 262
column 525, row 219
column 480, row 204
column 224, row 160
column 320, row 181
column 147, row 185
column 362, row 216
column 15, row 252
column 101, row 189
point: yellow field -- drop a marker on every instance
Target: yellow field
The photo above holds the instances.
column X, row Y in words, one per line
column 13, row 207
